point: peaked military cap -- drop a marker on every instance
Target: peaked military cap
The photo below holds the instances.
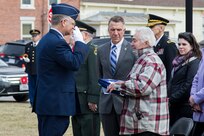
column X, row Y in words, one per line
column 34, row 32
column 155, row 20
column 85, row 27
column 65, row 9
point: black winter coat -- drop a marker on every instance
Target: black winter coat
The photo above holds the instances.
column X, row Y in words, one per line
column 179, row 86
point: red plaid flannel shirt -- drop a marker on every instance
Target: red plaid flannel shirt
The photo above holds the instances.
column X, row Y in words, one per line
column 146, row 92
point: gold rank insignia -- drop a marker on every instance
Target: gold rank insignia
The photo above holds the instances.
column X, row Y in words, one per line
column 95, row 50
column 169, row 41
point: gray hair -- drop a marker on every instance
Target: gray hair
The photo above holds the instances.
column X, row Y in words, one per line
column 116, row 19
column 56, row 19
column 146, row 35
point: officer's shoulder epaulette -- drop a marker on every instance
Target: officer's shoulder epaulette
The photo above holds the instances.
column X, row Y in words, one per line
column 93, row 45
column 169, row 41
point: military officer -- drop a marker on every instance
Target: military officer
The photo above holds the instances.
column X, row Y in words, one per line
column 30, row 59
column 87, row 121
column 165, row 48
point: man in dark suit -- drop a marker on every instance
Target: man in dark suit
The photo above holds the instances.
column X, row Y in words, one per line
column 165, row 48
column 110, row 105
column 87, row 121
column 30, row 60
column 55, row 98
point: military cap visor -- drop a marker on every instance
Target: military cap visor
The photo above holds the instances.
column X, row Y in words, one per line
column 34, row 32
column 155, row 20
column 85, row 27
column 65, row 9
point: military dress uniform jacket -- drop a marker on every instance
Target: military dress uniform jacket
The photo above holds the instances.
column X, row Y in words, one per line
column 31, row 52
column 124, row 64
column 55, row 91
column 87, row 81
column 167, row 51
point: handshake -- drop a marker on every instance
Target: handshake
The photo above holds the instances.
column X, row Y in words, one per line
column 25, row 58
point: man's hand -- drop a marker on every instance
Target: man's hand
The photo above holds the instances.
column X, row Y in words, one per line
column 25, row 58
column 93, row 107
column 77, row 35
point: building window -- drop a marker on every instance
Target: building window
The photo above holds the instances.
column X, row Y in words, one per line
column 53, row 1
column 26, row 27
column 27, row 23
column 27, row 4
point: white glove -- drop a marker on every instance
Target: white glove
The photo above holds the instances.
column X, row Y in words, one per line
column 77, row 35
column 26, row 59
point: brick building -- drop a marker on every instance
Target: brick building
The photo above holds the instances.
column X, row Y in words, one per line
column 19, row 16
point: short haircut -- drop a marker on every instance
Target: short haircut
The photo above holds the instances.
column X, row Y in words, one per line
column 116, row 19
column 146, row 34
column 56, row 19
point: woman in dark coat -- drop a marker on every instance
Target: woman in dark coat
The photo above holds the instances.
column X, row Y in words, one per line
column 185, row 66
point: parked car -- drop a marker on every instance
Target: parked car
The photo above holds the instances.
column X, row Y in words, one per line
column 12, row 52
column 1, row 48
column 13, row 82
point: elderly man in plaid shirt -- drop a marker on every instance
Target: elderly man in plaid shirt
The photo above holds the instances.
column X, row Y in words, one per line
column 145, row 110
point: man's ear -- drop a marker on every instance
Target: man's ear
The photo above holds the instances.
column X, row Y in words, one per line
column 63, row 22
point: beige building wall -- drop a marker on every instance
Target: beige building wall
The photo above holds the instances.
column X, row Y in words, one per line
column 175, row 14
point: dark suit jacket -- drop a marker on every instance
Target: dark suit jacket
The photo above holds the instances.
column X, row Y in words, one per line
column 56, row 63
column 125, row 63
column 167, row 51
column 86, row 81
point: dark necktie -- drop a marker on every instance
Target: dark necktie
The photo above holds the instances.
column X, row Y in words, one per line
column 34, row 44
column 113, row 59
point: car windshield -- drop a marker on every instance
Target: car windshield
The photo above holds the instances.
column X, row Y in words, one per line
column 17, row 50
column 3, row 64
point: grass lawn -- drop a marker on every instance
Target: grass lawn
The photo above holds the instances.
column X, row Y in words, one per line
column 16, row 119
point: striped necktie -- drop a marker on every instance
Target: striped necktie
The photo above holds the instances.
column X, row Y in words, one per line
column 113, row 58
